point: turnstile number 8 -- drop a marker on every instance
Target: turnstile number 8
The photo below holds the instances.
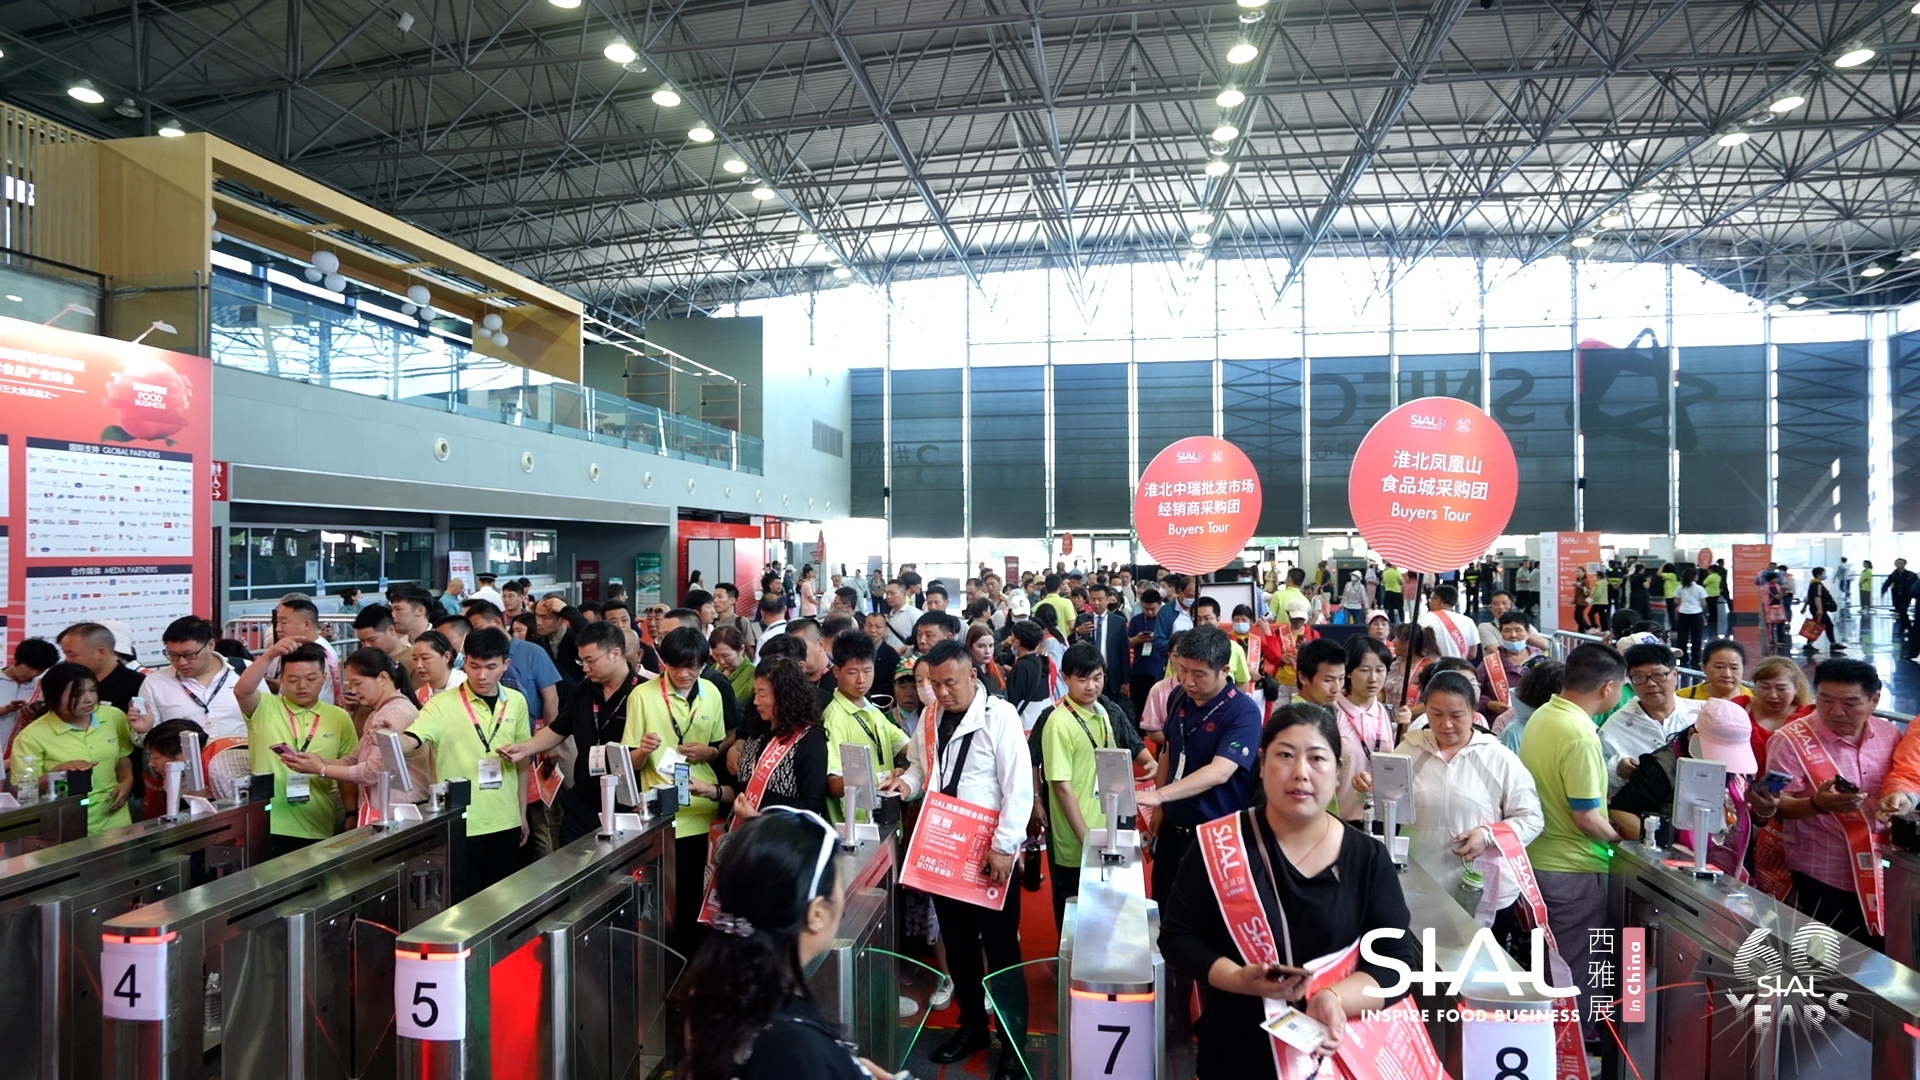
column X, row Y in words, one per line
column 430, row 996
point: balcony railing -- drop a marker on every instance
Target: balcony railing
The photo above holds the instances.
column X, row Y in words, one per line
column 258, row 326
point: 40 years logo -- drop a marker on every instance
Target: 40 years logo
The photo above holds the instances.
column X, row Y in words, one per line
column 1786, row 990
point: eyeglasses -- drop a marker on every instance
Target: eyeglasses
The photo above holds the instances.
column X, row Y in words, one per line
column 1652, row 680
column 185, row 658
column 826, row 843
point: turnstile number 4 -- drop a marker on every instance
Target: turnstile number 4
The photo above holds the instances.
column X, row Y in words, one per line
column 430, row 995
column 133, row 972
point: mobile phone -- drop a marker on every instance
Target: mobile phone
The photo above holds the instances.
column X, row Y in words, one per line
column 1277, row 972
column 281, row 748
column 1845, row 786
column 682, row 778
column 1776, row 781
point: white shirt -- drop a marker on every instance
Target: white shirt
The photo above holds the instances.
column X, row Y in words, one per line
column 1690, row 600
column 900, row 624
column 165, row 695
column 1440, row 620
column 1483, row 784
column 485, row 592
column 10, row 692
column 998, row 771
column 1630, row 732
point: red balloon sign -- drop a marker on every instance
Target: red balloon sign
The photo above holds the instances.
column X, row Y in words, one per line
column 1197, row 505
column 1433, row 485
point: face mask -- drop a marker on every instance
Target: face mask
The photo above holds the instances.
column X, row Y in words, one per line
column 1242, row 627
column 1514, row 646
column 926, row 694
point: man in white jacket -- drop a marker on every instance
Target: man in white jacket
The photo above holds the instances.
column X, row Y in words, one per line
column 979, row 756
column 1656, row 714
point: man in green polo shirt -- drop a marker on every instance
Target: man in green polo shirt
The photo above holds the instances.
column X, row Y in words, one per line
column 468, row 727
column 305, row 808
column 691, row 722
column 1561, row 748
column 1072, row 732
column 1057, row 587
column 851, row 719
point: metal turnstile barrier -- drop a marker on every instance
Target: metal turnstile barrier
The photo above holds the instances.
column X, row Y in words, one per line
column 557, row 972
column 53, row 903
column 283, row 970
column 1903, row 898
column 1740, row 985
column 856, row 981
column 49, row 820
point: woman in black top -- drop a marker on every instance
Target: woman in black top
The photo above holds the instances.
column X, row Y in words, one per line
column 1330, row 884
column 784, row 699
column 744, row 998
column 1820, row 608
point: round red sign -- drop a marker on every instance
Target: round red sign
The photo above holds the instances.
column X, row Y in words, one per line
column 1433, row 485
column 1197, row 505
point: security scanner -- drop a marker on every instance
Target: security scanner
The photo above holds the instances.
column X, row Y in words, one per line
column 856, row 981
column 1740, row 985
column 54, row 901
column 283, row 969
column 43, row 814
column 558, row 972
column 1392, row 799
column 1113, row 979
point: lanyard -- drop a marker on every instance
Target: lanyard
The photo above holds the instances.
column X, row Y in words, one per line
column 486, row 740
column 666, row 699
column 293, row 726
column 206, row 707
column 860, row 717
column 1074, row 711
column 1187, row 730
column 600, row 734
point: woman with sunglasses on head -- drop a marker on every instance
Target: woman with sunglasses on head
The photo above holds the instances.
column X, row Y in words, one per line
column 744, row 998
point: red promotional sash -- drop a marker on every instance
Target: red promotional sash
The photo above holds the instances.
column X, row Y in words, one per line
column 771, row 756
column 1223, row 849
column 1568, row 1047
column 1412, row 694
column 1453, row 631
column 1862, row 847
column 1496, row 666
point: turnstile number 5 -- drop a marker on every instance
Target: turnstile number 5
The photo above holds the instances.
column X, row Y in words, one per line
column 430, row 995
column 134, row 971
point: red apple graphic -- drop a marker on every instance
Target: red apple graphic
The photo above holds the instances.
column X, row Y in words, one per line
column 148, row 398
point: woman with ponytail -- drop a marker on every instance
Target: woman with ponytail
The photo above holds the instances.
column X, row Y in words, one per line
column 744, row 999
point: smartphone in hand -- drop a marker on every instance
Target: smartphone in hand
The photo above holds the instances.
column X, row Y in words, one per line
column 1845, row 786
column 1776, row 781
column 281, row 748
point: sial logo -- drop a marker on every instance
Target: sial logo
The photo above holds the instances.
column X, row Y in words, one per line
column 1434, row 978
column 1785, row 990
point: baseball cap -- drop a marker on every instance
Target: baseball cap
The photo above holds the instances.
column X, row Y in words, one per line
column 1297, row 609
column 1018, row 606
column 1376, row 613
column 1726, row 735
column 122, row 638
column 1644, row 637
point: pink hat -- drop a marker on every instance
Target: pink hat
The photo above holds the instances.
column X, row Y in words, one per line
column 1726, row 732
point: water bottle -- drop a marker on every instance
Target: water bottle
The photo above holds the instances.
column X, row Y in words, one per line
column 27, row 788
column 1650, row 833
column 214, row 1008
column 1473, row 884
column 1031, row 856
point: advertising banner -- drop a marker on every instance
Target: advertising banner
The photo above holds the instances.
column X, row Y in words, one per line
column 1433, row 485
column 1749, row 561
column 105, row 451
column 1197, row 505
column 1575, row 551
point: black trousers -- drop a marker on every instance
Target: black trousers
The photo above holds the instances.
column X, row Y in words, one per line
column 1838, row 908
column 689, row 889
column 492, row 858
column 1066, row 886
column 1138, row 688
column 1693, row 632
column 1170, row 846
column 1396, row 611
column 980, row 940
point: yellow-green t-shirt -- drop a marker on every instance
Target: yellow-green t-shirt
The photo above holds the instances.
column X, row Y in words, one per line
column 1062, row 608
column 462, row 730
column 277, row 720
column 1669, row 586
column 1561, row 748
column 1277, row 604
column 1068, row 742
column 654, row 707
column 105, row 739
column 862, row 725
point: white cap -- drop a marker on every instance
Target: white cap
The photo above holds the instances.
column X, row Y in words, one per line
column 1296, row 608
column 1017, row 604
column 1644, row 637
column 122, row 637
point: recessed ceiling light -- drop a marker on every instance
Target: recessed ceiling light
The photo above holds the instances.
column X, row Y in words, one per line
column 13, row 298
column 1787, row 104
column 1201, row 238
column 1853, row 57
column 1911, row 255
column 734, row 165
column 763, row 193
column 1229, row 98
column 1199, row 217
column 620, row 53
column 1583, row 241
column 170, row 131
column 1217, row 168
column 842, row 273
column 1613, row 220
column 665, row 97
column 568, row 4
column 1872, row 270
column 1195, row 256
column 85, row 92
column 1797, row 299
column 1732, row 139
column 1253, row 3
column 1645, row 198
column 1241, row 53
column 1225, row 133
column 701, row 134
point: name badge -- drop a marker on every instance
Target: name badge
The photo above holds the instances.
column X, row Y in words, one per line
column 1293, row 1027
column 1146, row 648
column 487, row 771
column 597, row 760
column 299, row 787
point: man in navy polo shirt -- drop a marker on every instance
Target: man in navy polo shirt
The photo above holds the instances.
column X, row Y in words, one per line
column 1207, row 770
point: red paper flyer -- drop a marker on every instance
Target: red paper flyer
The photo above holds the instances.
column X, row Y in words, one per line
column 949, row 849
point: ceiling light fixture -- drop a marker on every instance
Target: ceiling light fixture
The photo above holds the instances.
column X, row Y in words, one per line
column 841, row 273
column 620, row 53
column 1732, row 139
column 763, row 193
column 1196, row 256
column 1583, row 241
column 1217, row 168
column 1201, row 238
column 1872, row 270
column 171, row 130
column 1911, row 255
column 1230, row 98
column 1853, row 57
column 734, row 166
column 1225, row 133
column 84, row 91
column 1199, row 217
column 665, row 97
column 1242, row 53
column 1797, row 299
column 1613, row 220
column 1787, row 104
column 567, row 4
column 1645, row 198
column 701, row 134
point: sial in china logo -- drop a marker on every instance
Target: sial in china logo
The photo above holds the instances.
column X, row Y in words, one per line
column 1786, row 990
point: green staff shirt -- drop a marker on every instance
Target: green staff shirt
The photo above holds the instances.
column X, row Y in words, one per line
column 325, row 731
column 1070, row 738
column 654, row 708
column 462, row 730
column 102, row 742
column 1561, row 748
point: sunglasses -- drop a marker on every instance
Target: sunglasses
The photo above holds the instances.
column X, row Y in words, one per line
column 827, row 840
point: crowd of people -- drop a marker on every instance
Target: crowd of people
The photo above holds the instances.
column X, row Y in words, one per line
column 1253, row 729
